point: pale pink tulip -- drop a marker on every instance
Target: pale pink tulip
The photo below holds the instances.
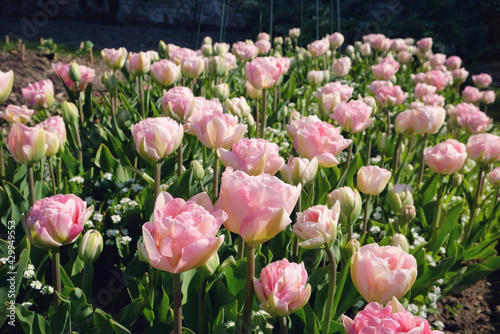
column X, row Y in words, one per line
column 253, row 156
column 378, row 42
column 434, row 100
column 39, row 95
column 341, row 67
column 437, row 60
column 398, row 45
column 353, row 116
column 192, row 67
column 56, row 221
column 299, row 171
column 494, row 177
column 482, row 80
column 484, row 148
column 285, row 64
column 350, row 204
column 138, row 63
column 317, row 226
column 404, row 57
column 420, row 120
column 165, row 72
column 184, row 233
column 245, row 51
column 316, row 77
column 114, row 58
column 453, row 63
column 319, row 47
column 336, row 40
column 372, row 179
column 437, row 79
column 488, row 97
column 264, row 46
column 15, row 113
column 365, row 49
column 178, row 102
column 459, row 75
column 26, row 145
column 282, row 288
column 55, row 135
column 320, row 140
column 422, row 89
column 345, row 91
column 471, row 94
column 425, row 44
column 258, row 207
column 62, row 71
column 386, row 69
column 156, row 138
column 238, row 106
column 447, row 157
column 179, row 54
column 202, row 107
column 263, row 36
column 471, row 119
column 294, row 33
column 221, row 48
column 6, row 82
column 263, row 72
column 390, row 96
column 297, row 122
column 380, row 273
column 376, row 84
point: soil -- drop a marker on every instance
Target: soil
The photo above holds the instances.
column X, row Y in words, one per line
column 473, row 310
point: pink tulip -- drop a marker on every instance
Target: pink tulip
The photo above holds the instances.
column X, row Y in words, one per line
column 437, row 79
column 245, row 51
column 192, row 67
column 26, row 145
column 471, row 94
column 56, row 221
column 398, row 45
column 178, row 102
column 336, row 40
column 294, row 33
column 420, row 120
column 320, row 140
column 221, row 48
column 285, row 64
column 350, row 204
column 386, row 69
column 459, row 75
column 345, row 91
column 484, row 148
column 434, row 100
column 316, row 77
column 138, row 63
column 353, row 116
column 404, row 57
column 258, row 207
column 114, row 58
column 263, row 72
column 299, row 171
column 422, row 89
column 14, row 114
column 179, row 54
column 282, row 288
column 263, row 36
column 425, row 44
column 264, row 46
column 488, row 97
column 62, row 71
column 376, row 84
column 453, row 63
column 297, row 123
column 39, row 95
column 392, row 319
column 447, row 157
column 378, row 42
column 390, row 96
column 471, row 119
column 252, row 156
column 165, row 72
column 482, row 80
column 372, row 179
column 437, row 60
column 183, row 235
column 203, row 107
column 319, row 47
column 55, row 135
column 317, row 226
column 6, row 82
column 380, row 273
column 494, row 177
column 156, row 138
column 238, row 106
column 341, row 67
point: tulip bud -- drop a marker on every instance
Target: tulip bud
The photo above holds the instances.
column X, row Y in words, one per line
column 408, row 212
column 6, row 82
column 90, row 246
column 207, row 50
column 3, row 195
column 209, row 267
column 399, row 195
column 198, row 172
column 141, row 251
column 400, row 240
column 124, row 118
column 163, row 50
column 382, row 143
column 278, row 40
column 456, row 181
column 350, row 204
column 70, row 113
column 222, row 91
column 110, row 81
column 74, row 72
column 217, row 66
column 350, row 248
column 207, row 40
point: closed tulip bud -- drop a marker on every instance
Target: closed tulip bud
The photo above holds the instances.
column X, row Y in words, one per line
column 70, row 113
column 382, row 143
column 26, row 144
column 456, row 181
column 209, row 267
column 221, row 49
column 299, row 171
column 372, row 179
column 400, row 241
column 141, row 250
column 278, row 40
column 350, row 204
column 253, row 92
column 217, row 66
column 351, row 247
column 350, row 51
column 110, row 81
column 207, row 40
column 192, row 67
column 222, row 91
column 408, row 213
column 3, row 194
column 206, row 50
column 198, row 171
column 163, row 50
column 6, row 81
column 399, row 195
column 90, row 247
column 74, row 72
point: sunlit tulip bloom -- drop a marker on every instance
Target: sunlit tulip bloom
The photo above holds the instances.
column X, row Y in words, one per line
column 336, row 40
column 264, row 46
column 390, row 96
column 484, row 148
column 471, row 94
column 165, row 72
column 114, row 58
column 62, row 71
column 372, row 179
column 471, row 119
column 437, row 60
column 294, row 33
column 420, row 120
column 6, row 82
column 245, row 51
column 488, row 97
column 494, row 177
column 365, row 49
column 376, row 84
column 39, row 95
column 178, row 102
column 26, row 145
column 404, row 57
column 453, row 63
column 192, row 67
column 447, row 157
column 319, row 47
column 353, row 116
column 422, row 89
column 263, row 72
column 425, row 44
column 13, row 114
column 138, row 63
column 55, row 135
column 316, row 77
column 317, row 226
column 398, row 45
column 297, row 123
column 179, row 54
column 341, row 67
column 459, row 75
column 386, row 69
column 482, row 80
column 378, row 42
column 299, row 171
column 238, row 106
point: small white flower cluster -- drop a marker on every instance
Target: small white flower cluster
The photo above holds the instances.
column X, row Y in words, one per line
column 47, row 290
column 27, row 304
column 108, row 176
column 374, row 230
column 360, row 303
column 376, row 160
column 125, row 240
column 77, row 179
column 417, row 238
column 279, row 137
column 434, row 296
column 430, row 260
column 439, row 325
column 30, row 272
column 469, row 165
column 377, row 215
column 3, row 260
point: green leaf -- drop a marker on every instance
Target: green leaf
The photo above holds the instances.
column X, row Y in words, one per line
column 31, row 322
column 430, row 189
column 105, row 160
column 101, row 321
column 59, row 319
column 164, row 306
column 447, row 226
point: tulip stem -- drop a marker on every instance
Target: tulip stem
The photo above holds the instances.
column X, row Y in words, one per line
column 180, row 158
column 52, row 177
column 215, row 187
column 283, row 326
column 257, row 118
column 422, row 161
column 346, row 165
column 80, row 105
column 369, row 151
column 59, row 172
column 31, row 185
column 79, row 144
column 88, row 271
column 295, row 245
column 241, row 248
column 201, row 307
column 2, row 162
column 152, row 283
column 365, row 216
column 157, row 179
column 388, row 114
column 395, row 161
column 437, row 217
column 327, row 318
column 56, row 275
column 475, row 204
column 247, row 308
column 141, row 96
column 264, row 113
column 176, row 281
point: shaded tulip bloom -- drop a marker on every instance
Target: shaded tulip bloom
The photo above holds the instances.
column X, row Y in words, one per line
column 192, row 67
column 294, row 33
column 282, row 288
column 494, row 177
column 178, row 102
column 138, row 63
column 62, row 71
column 26, row 145
column 55, row 135
column 471, row 119
column 336, row 40
column 165, row 72
column 183, row 235
column 447, row 157
column 6, row 82
column 488, row 97
column 299, row 171
column 39, row 95
column 482, row 80
column 484, row 148
column 252, row 156
column 264, row 46
column 114, row 58
column 341, row 67
column 263, row 72
column 245, row 51
column 258, row 207
column 317, row 226
column 453, row 63
column 319, row 47
column 380, row 273
column 353, row 116
column 390, row 96
column 372, row 179
column 178, row 54
column 13, row 114
column 471, row 94
column 156, row 138
column 56, row 221
column 320, row 140
column 386, row 69
column 263, row 36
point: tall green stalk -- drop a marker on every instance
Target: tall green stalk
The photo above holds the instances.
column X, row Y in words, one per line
column 365, row 215
column 141, row 96
column 422, row 160
column 157, row 179
column 179, row 160
column 88, row 271
column 247, row 308
column 327, row 317
column 79, row 144
column 264, row 113
column 31, row 185
column 56, row 275
column 52, row 177
column 283, row 326
column 215, row 180
column 475, row 204
column 176, row 281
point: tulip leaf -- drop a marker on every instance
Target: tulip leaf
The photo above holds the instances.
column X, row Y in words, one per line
column 482, row 250
column 164, row 306
column 429, row 189
column 31, row 322
column 59, row 319
column 70, row 162
column 447, row 226
column 17, row 204
column 87, row 107
column 102, row 321
column 118, row 328
column 105, row 160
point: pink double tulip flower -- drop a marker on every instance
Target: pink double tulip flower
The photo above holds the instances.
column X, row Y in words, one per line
column 434, row 100
column 6, row 82
column 138, row 63
column 341, row 67
column 488, row 97
column 178, row 54
column 471, row 94
column 420, row 120
column 336, row 40
column 62, row 71
column 425, row 44
column 317, row 77
column 297, row 122
column 178, row 102
column 156, row 138
column 344, row 91
column 390, row 96
column 447, row 157
column 437, row 60
column 471, row 119
column 263, row 72
column 56, row 221
column 299, row 171
column 264, row 46
column 192, row 67
column 253, row 156
column 258, row 207
column 55, row 135
column 459, row 75
column 353, row 116
column 376, row 84
column 482, row 80
column 435, row 78
column 183, row 235
column 422, row 89
column 294, row 33
column 386, row 69
column 318, row 48
column 494, row 177
column 263, row 36
column 282, row 288
column 39, row 95
column 245, row 51
column 317, row 226
column 378, row 42
column 13, row 114
column 398, row 45
column 404, row 57
column 320, row 140
column 372, row 179
column 114, row 58
column 453, row 63
column 26, row 145
column 484, row 148
column 382, row 272
column 165, row 72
